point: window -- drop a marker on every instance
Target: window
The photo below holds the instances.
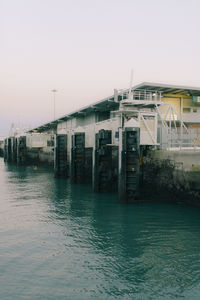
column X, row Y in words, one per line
column 186, row 110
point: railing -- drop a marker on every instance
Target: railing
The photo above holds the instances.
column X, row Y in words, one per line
column 146, row 95
column 180, row 140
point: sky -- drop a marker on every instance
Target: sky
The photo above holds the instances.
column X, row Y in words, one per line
column 86, row 48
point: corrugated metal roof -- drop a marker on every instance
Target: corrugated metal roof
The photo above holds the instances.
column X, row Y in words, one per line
column 169, row 88
column 106, row 104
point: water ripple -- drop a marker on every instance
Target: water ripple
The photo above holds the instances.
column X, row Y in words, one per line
column 62, row 241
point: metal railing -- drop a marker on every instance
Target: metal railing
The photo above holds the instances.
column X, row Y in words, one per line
column 180, row 140
column 146, row 95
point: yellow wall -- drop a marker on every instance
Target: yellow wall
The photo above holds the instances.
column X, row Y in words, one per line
column 175, row 101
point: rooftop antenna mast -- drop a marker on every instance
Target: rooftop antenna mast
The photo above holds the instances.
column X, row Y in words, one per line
column 130, row 94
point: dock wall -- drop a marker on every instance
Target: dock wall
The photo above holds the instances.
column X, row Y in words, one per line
column 112, row 158
column 173, row 174
column 41, row 155
column 190, row 159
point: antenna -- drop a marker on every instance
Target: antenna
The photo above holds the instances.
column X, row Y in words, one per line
column 131, row 84
column 54, row 103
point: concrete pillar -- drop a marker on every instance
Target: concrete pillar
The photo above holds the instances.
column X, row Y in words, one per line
column 13, row 149
column 102, row 162
column 95, row 164
column 78, row 158
column 72, row 161
column 21, row 149
column 60, row 155
column 121, row 166
column 9, row 150
column 5, row 150
column 88, row 164
column 129, row 164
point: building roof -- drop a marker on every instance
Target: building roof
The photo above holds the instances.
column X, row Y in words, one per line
column 109, row 103
column 104, row 105
column 169, row 88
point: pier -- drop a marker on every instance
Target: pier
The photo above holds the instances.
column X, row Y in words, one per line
column 119, row 144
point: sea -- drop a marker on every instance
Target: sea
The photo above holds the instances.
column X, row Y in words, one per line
column 63, row 241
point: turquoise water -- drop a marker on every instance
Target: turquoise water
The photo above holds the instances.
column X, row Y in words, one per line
column 62, row 241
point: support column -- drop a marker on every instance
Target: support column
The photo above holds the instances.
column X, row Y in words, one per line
column 129, row 164
column 14, row 149
column 78, row 158
column 9, row 150
column 6, row 150
column 88, row 164
column 60, row 155
column 21, row 149
column 94, row 163
column 121, row 166
column 102, row 172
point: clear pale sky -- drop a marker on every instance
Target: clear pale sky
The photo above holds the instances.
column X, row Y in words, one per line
column 86, row 48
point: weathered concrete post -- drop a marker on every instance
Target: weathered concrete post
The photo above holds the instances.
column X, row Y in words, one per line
column 8, row 150
column 102, row 165
column 60, row 155
column 72, row 162
column 121, row 166
column 2, row 144
column 129, row 164
column 94, row 163
column 5, row 151
column 88, row 164
column 13, row 149
column 78, row 158
column 21, row 149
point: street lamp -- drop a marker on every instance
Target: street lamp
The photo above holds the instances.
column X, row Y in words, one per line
column 54, row 103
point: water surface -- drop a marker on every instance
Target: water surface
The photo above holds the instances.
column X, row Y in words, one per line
column 62, row 241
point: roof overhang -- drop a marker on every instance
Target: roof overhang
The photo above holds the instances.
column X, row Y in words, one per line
column 107, row 104
column 168, row 89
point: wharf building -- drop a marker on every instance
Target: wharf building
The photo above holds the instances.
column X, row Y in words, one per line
column 138, row 138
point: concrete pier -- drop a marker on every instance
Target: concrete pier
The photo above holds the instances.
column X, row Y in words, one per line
column 103, row 144
column 174, row 174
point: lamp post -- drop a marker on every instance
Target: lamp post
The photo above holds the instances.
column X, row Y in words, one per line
column 54, row 103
